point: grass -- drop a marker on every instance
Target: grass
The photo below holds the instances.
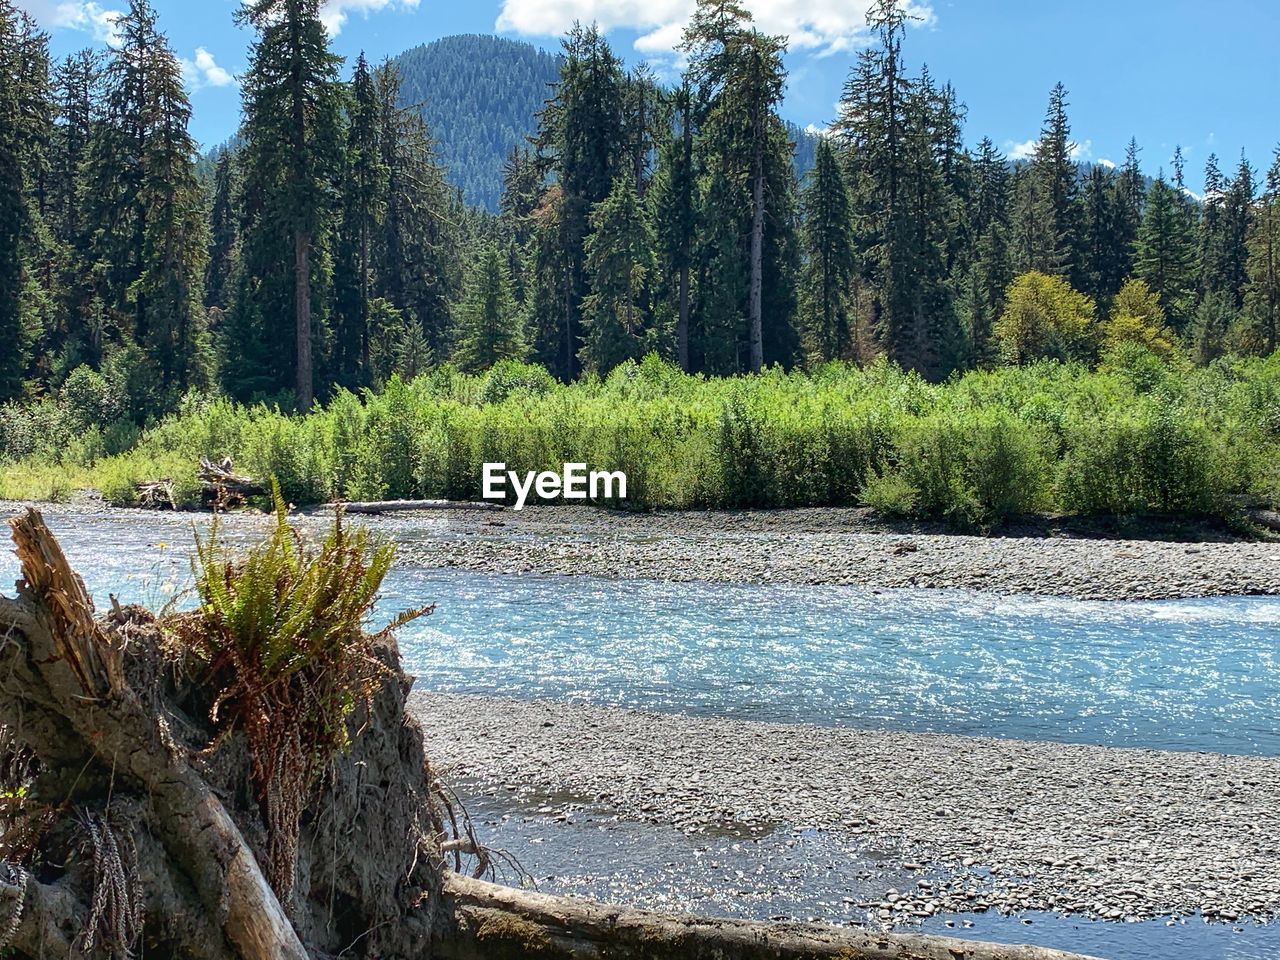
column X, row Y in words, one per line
column 1046, row 438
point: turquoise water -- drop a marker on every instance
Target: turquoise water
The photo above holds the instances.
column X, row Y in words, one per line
column 1184, row 675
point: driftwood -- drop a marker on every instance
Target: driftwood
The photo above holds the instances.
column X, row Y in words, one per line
column 489, row 922
column 1266, row 518
column 407, row 506
column 108, row 728
column 220, row 486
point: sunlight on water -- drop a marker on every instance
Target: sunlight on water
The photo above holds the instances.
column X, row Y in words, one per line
column 1183, row 674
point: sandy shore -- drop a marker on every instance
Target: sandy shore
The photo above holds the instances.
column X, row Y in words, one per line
column 985, row 824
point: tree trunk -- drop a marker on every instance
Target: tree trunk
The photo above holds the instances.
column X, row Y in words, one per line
column 757, row 258
column 302, row 296
column 682, row 321
column 484, row 921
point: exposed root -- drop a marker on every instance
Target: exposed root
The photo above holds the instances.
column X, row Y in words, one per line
column 116, row 912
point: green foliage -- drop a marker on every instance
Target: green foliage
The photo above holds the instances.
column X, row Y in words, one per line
column 1142, row 435
column 1045, row 319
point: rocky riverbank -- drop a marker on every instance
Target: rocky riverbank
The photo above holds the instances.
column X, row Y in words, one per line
column 831, row 547
column 812, row 547
column 973, row 824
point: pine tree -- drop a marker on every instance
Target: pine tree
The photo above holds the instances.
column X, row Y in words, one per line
column 13, row 209
column 989, row 270
column 620, row 265
column 830, row 261
column 1165, row 251
column 1102, row 263
column 364, row 197
column 415, row 254
column 904, row 209
column 673, row 199
column 1055, row 174
column 171, row 202
column 293, row 146
column 582, row 134
column 740, row 75
column 488, row 323
column 1260, row 332
column 1130, row 198
column 224, row 235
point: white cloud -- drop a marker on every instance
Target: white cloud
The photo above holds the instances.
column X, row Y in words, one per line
column 334, row 13
column 204, row 71
column 84, row 15
column 1021, row 151
column 1026, row 150
column 822, row 26
column 1104, row 162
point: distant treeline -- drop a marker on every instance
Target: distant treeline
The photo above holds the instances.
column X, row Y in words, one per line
column 328, row 251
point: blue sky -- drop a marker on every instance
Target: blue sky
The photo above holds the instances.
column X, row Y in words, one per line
column 1202, row 74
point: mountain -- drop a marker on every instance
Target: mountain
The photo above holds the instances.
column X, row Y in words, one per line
column 480, row 96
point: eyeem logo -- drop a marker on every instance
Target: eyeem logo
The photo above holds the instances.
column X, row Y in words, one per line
column 574, row 483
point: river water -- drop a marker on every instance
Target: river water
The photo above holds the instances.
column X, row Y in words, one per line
column 1182, row 675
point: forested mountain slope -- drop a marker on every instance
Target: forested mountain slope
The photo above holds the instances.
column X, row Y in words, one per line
column 480, row 96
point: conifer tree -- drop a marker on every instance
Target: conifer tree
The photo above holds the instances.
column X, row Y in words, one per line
column 1054, row 170
column 989, row 270
column 582, row 134
column 174, row 239
column 620, row 265
column 830, row 262
column 364, row 196
column 224, row 235
column 673, row 200
column 1165, row 251
column 13, row 209
column 1260, row 329
column 415, row 254
column 488, row 322
column 293, row 146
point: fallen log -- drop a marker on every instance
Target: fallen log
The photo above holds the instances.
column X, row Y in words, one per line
column 490, row 922
column 150, row 839
column 408, row 506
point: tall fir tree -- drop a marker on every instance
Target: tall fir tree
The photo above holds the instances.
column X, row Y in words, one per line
column 1165, row 251
column 293, row 113
column 829, row 259
column 488, row 321
column 583, row 139
column 13, row 209
column 415, row 254
column 1259, row 331
column 673, row 199
column 224, row 235
column 989, row 268
column 617, row 321
column 1053, row 169
column 364, row 198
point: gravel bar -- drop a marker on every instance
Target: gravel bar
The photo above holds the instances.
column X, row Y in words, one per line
column 985, row 824
column 833, row 547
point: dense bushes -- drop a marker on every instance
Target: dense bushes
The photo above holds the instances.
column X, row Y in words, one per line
column 1129, row 438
